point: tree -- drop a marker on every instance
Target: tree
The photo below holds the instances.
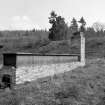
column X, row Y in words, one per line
column 98, row 26
column 1, row 34
column 74, row 26
column 59, row 28
column 52, row 21
column 90, row 32
column 83, row 23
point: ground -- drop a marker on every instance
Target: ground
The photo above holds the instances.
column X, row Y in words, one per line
column 82, row 86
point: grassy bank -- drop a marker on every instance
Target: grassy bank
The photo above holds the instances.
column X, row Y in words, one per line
column 82, row 86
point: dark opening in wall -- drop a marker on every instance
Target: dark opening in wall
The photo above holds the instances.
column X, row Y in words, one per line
column 7, row 81
column 9, row 59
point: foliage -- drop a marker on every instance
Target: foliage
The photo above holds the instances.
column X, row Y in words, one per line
column 59, row 28
column 34, row 40
column 1, row 35
column 82, row 21
column 91, row 33
column 98, row 26
column 74, row 25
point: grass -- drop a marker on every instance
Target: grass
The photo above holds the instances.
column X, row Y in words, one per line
column 37, row 42
column 82, row 86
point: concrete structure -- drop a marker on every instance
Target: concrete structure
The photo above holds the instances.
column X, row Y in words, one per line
column 82, row 53
column 22, row 67
column 27, row 67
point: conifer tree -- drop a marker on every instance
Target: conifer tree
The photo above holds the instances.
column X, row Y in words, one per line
column 58, row 30
column 74, row 26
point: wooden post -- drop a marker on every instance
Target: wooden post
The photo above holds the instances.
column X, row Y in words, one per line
column 82, row 49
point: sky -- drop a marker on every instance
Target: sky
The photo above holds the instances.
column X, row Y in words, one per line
column 29, row 14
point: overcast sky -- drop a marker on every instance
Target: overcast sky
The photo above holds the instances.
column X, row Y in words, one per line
column 27, row 14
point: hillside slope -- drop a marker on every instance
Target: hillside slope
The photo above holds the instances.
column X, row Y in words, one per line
column 37, row 42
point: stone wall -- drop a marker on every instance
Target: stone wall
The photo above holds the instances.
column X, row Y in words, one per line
column 29, row 73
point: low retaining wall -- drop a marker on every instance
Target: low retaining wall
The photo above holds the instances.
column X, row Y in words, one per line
column 28, row 67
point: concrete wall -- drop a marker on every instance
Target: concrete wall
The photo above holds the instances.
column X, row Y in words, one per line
column 30, row 67
column 26, row 60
